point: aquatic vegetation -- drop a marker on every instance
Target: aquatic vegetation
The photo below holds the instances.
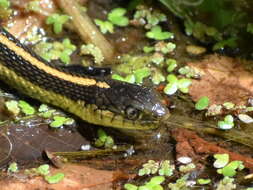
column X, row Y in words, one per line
column 15, row 107
column 151, row 167
column 226, row 183
column 153, row 184
column 13, row 167
column 104, row 26
column 221, row 160
column 230, row 169
column 56, row 50
column 175, row 84
column 228, row 105
column 91, row 49
column 204, row 181
column 156, row 33
column 190, row 72
column 227, row 123
column 187, row 168
column 104, row 140
column 12, row 106
column 56, row 178
column 166, row 168
column 43, row 170
column 116, row 16
column 57, row 20
column 33, row 6
column 227, row 26
column 5, row 10
column 183, row 172
column 59, row 121
column 172, row 64
column 202, row 103
column 181, row 184
column 148, row 17
column 26, row 108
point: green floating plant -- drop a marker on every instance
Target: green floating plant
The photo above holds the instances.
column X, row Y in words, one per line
column 52, row 179
column 137, row 76
column 190, row 72
column 157, row 58
column 157, row 77
column 5, row 9
column 172, row 64
column 128, row 78
column 202, row 103
column 166, row 169
column 221, row 160
column 176, row 84
column 57, row 20
column 228, row 105
column 104, row 26
column 104, row 140
column 13, row 167
column 129, row 186
column 26, row 108
column 181, row 183
column 56, row 50
column 148, row 49
column 43, row 169
column 226, row 183
column 151, row 167
column 45, row 111
column 116, row 16
column 164, row 47
column 148, row 17
column 91, row 49
column 226, row 168
column 156, row 33
column 227, row 123
column 5, row 4
column 187, row 168
column 12, row 106
column 204, row 181
column 33, row 6
column 153, row 184
column 230, row 169
column 59, row 121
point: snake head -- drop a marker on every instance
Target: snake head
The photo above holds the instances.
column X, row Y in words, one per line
column 134, row 102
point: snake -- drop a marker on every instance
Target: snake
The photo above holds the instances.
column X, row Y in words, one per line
column 91, row 94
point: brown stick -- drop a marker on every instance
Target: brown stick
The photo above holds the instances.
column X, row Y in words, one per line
column 86, row 28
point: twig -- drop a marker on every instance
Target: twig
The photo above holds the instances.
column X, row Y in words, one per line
column 86, row 28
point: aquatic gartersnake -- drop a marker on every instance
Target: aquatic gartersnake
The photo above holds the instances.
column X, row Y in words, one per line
column 98, row 100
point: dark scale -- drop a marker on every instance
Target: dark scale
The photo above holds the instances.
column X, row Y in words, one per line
column 45, row 80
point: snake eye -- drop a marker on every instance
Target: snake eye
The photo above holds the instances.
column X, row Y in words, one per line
column 132, row 113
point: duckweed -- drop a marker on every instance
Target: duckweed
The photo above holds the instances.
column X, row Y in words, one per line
column 156, row 33
column 26, row 108
column 104, row 140
column 104, row 26
column 202, row 103
column 116, row 16
column 227, row 123
column 54, row 178
column 13, row 167
column 57, row 20
column 91, row 49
